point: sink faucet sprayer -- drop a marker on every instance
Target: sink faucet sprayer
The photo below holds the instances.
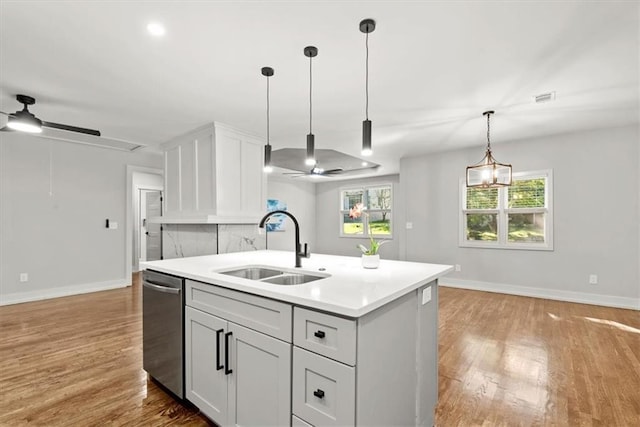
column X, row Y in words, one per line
column 299, row 252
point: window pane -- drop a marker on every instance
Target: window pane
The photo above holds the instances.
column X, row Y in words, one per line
column 379, row 198
column 527, row 193
column 380, row 223
column 350, row 198
column 351, row 225
column 527, row 228
column 482, row 227
column 482, row 198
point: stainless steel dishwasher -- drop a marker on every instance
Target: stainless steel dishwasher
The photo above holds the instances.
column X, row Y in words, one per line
column 163, row 329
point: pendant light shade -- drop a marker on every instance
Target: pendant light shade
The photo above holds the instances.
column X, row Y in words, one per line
column 267, row 72
column 367, row 26
column 310, row 52
column 489, row 173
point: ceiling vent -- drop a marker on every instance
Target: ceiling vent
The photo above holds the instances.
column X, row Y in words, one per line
column 544, row 97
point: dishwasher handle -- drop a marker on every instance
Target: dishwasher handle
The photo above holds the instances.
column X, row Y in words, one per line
column 160, row 288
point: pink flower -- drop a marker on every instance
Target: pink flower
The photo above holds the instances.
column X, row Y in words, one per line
column 356, row 211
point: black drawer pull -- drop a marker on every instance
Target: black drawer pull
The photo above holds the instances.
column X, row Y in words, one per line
column 319, row 394
column 218, row 365
column 319, row 334
column 227, row 371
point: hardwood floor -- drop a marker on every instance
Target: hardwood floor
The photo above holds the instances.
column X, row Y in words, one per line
column 515, row 361
column 504, row 361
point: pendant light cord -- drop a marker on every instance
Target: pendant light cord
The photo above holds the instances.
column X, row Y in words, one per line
column 267, row 110
column 366, row 90
column 488, row 129
column 310, row 86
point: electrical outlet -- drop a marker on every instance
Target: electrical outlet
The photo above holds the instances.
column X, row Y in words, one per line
column 426, row 295
column 458, row 267
column 593, row 279
column 24, row 277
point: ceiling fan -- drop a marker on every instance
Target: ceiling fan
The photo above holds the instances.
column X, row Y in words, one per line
column 25, row 121
column 317, row 171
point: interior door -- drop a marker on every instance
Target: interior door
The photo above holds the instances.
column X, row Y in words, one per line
column 153, row 235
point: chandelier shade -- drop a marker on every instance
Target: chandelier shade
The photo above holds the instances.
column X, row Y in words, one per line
column 489, row 173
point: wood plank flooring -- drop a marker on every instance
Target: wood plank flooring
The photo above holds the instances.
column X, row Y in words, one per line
column 504, row 361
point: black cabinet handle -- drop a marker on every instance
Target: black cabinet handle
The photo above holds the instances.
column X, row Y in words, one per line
column 319, row 394
column 227, row 371
column 218, row 365
column 319, row 334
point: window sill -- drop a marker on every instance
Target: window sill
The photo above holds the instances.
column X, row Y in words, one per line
column 516, row 246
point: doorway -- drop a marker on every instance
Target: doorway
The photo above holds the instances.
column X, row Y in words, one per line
column 150, row 232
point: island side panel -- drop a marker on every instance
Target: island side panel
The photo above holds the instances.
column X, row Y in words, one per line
column 427, row 396
column 386, row 382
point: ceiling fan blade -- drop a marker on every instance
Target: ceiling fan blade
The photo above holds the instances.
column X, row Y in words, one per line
column 332, row 171
column 6, row 114
column 71, row 128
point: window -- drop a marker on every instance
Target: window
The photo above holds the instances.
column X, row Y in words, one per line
column 516, row 217
column 376, row 220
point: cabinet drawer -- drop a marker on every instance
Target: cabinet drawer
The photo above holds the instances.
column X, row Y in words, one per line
column 261, row 314
column 323, row 390
column 297, row 422
column 331, row 336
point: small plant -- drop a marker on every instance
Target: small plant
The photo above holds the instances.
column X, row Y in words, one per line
column 356, row 212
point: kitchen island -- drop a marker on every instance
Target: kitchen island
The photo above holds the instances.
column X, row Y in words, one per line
column 354, row 346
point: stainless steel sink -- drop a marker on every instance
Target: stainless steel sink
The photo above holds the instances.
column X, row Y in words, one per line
column 292, row 279
column 253, row 273
column 273, row 275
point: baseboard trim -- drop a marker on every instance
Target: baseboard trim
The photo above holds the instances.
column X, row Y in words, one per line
column 63, row 291
column 553, row 294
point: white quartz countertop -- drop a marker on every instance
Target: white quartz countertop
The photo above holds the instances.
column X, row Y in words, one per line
column 350, row 290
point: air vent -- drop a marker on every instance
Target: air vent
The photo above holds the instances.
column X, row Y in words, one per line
column 544, row 97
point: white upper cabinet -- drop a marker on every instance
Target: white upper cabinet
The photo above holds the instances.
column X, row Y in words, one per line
column 214, row 174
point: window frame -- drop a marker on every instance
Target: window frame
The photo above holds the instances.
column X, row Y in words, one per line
column 365, row 219
column 503, row 212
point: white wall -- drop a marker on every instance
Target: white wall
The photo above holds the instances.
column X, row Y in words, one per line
column 596, row 212
column 55, row 197
column 328, row 218
column 300, row 197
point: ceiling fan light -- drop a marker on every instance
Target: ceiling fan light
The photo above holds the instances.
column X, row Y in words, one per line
column 25, row 122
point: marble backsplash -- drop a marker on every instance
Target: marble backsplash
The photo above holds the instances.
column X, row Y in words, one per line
column 185, row 240
column 240, row 238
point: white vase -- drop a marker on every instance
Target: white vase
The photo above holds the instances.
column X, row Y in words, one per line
column 370, row 261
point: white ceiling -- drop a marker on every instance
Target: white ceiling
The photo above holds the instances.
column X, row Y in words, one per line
column 435, row 66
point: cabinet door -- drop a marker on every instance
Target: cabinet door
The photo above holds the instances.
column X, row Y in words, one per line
column 206, row 384
column 252, row 179
column 172, row 163
column 260, row 386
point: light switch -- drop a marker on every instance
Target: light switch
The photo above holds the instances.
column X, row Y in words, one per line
column 409, row 225
column 426, row 295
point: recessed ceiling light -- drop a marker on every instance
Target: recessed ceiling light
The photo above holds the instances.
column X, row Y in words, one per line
column 156, row 29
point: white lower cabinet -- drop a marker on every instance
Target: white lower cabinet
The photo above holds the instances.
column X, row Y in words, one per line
column 254, row 361
column 324, row 391
column 236, row 375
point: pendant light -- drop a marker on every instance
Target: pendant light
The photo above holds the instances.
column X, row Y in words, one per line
column 367, row 26
column 489, row 173
column 310, row 52
column 267, row 72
